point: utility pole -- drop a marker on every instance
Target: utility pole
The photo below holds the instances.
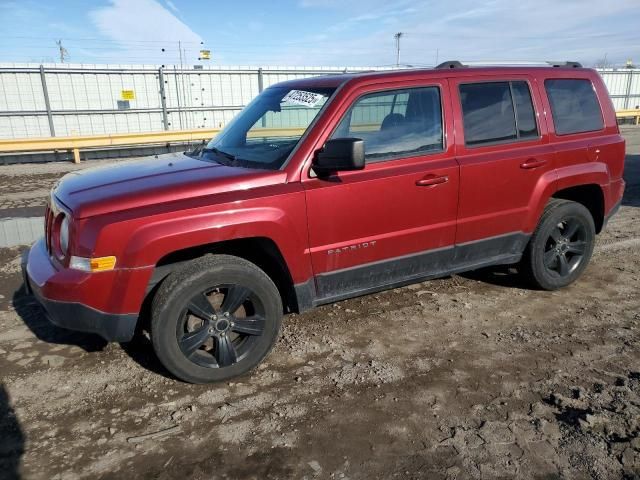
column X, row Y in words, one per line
column 63, row 51
column 397, row 36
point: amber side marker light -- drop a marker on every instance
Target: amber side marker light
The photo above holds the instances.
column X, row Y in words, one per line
column 98, row 264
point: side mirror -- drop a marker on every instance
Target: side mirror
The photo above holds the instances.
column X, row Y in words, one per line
column 339, row 154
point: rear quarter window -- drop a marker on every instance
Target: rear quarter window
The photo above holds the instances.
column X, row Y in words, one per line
column 574, row 106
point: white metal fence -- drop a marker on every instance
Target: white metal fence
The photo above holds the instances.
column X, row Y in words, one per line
column 68, row 100
column 623, row 86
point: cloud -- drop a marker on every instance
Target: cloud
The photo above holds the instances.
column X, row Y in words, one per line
column 172, row 6
column 582, row 30
column 134, row 22
column 17, row 11
column 334, row 32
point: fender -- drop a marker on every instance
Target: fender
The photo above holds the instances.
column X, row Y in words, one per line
column 152, row 238
column 140, row 237
column 565, row 177
column 583, row 174
column 153, row 241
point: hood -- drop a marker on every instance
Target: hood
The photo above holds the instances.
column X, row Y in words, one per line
column 151, row 181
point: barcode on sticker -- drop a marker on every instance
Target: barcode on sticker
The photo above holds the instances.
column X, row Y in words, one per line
column 300, row 97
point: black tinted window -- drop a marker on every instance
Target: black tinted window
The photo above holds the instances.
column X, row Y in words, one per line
column 489, row 114
column 524, row 110
column 574, row 106
column 395, row 123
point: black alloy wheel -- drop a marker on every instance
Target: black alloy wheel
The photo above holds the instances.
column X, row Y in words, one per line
column 215, row 318
column 566, row 247
column 561, row 245
column 220, row 327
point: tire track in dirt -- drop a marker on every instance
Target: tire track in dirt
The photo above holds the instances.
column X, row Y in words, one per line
column 469, row 376
column 612, row 244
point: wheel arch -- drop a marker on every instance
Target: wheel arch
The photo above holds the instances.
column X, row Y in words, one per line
column 590, row 196
column 585, row 184
column 261, row 251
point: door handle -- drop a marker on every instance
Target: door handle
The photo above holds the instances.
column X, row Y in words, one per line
column 533, row 163
column 432, row 180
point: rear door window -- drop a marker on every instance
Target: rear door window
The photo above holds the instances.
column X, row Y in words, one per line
column 525, row 116
column 574, row 106
column 496, row 112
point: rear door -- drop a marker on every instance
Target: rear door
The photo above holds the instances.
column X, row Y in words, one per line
column 395, row 219
column 504, row 152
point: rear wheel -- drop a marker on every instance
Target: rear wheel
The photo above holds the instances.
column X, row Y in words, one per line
column 561, row 246
column 215, row 318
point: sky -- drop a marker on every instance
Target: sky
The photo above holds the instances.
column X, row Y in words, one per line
column 320, row 32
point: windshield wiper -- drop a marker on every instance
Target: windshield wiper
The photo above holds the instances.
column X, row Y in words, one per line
column 219, row 152
column 230, row 159
column 196, row 151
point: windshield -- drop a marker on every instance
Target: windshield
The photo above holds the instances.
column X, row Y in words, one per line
column 268, row 129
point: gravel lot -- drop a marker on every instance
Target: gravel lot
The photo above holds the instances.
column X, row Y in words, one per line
column 471, row 376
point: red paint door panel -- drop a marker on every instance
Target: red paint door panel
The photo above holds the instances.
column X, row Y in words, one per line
column 391, row 208
column 499, row 180
column 381, row 213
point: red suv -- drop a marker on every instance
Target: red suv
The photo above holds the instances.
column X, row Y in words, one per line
column 327, row 188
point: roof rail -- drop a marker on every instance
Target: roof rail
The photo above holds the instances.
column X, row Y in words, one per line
column 566, row 64
column 459, row 64
column 450, row 64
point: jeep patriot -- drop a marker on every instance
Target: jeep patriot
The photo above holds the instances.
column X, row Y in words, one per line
column 327, row 188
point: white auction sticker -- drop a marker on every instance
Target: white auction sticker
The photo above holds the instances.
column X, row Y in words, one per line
column 300, row 97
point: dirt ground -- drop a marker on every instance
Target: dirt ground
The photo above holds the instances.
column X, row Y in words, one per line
column 471, row 376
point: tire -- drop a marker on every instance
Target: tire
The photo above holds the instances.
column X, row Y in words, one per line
column 215, row 318
column 561, row 246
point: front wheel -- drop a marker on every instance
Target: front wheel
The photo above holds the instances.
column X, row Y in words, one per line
column 561, row 246
column 215, row 318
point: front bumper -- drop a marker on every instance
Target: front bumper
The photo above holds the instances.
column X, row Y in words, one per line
column 113, row 327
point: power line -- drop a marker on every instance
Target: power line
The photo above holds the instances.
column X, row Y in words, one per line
column 168, row 45
column 231, row 43
column 158, row 42
column 93, row 39
column 171, row 49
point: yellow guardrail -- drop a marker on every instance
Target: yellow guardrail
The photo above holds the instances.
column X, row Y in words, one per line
column 75, row 144
column 629, row 114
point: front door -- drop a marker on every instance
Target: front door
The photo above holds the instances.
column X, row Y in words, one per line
column 394, row 221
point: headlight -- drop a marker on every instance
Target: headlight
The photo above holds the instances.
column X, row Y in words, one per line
column 64, row 235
